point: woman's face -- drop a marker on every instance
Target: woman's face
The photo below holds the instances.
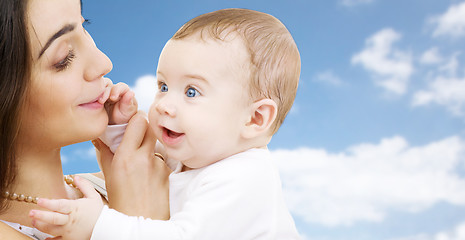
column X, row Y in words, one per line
column 67, row 77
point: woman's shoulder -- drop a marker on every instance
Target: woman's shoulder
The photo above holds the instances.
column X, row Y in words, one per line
column 8, row 233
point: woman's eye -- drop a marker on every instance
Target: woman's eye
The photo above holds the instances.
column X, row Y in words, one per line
column 65, row 62
column 164, row 87
column 191, row 92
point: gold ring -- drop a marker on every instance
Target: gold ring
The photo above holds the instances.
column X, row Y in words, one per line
column 159, row 156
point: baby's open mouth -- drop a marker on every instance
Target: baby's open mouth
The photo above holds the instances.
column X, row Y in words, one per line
column 171, row 137
column 172, row 134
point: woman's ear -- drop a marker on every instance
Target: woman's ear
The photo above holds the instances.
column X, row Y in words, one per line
column 262, row 115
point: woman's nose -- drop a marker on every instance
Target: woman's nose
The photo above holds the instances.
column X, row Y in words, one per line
column 98, row 64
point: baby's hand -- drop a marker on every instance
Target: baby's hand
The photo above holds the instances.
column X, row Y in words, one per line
column 120, row 103
column 69, row 219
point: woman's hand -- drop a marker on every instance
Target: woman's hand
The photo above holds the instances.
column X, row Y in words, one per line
column 136, row 180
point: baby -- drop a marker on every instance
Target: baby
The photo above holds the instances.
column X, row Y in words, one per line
column 226, row 81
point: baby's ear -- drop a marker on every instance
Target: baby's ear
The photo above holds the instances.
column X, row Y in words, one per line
column 262, row 115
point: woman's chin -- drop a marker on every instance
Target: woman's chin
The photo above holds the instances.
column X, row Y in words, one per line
column 100, row 126
column 92, row 130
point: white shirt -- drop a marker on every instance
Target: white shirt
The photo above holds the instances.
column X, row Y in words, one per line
column 28, row 231
column 239, row 197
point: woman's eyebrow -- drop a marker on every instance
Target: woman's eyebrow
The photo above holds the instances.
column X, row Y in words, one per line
column 65, row 29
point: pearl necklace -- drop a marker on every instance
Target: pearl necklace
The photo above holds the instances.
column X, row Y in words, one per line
column 31, row 199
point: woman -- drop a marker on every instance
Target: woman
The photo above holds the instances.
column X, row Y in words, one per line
column 51, row 78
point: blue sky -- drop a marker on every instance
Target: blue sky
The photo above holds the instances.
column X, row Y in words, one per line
column 374, row 147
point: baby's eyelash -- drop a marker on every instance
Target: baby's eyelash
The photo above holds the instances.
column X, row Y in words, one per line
column 190, row 89
column 65, row 63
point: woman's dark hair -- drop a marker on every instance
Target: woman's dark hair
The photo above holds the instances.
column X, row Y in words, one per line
column 14, row 77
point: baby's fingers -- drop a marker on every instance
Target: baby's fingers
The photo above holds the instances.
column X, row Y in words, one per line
column 106, row 93
column 128, row 104
column 57, row 205
column 86, row 188
column 118, row 90
column 108, row 82
column 49, row 218
column 48, row 228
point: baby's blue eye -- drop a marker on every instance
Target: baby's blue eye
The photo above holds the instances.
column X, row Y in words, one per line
column 191, row 92
column 164, row 88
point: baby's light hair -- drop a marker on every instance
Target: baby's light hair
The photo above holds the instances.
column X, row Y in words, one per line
column 275, row 59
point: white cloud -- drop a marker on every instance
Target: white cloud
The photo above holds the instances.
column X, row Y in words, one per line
column 448, row 92
column 450, row 67
column 458, row 232
column 145, row 90
column 451, row 23
column 445, row 88
column 431, row 56
column 366, row 181
column 350, row 3
column 391, row 67
column 85, row 153
column 328, row 77
column 80, row 153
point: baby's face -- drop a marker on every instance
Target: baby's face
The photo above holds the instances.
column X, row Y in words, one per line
column 202, row 101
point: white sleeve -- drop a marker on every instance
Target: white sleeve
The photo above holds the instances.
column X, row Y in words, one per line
column 213, row 211
column 113, row 135
column 234, row 201
column 114, row 225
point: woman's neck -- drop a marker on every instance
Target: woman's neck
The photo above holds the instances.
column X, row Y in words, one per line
column 39, row 174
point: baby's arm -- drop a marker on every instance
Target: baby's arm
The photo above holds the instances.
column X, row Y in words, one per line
column 70, row 219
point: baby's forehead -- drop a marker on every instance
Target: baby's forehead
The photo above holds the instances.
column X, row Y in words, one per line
column 206, row 35
column 231, row 41
column 232, row 50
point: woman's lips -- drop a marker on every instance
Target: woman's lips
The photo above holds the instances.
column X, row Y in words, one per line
column 171, row 137
column 94, row 104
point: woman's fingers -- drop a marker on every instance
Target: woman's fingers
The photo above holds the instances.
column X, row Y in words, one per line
column 104, row 156
column 134, row 134
column 149, row 141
